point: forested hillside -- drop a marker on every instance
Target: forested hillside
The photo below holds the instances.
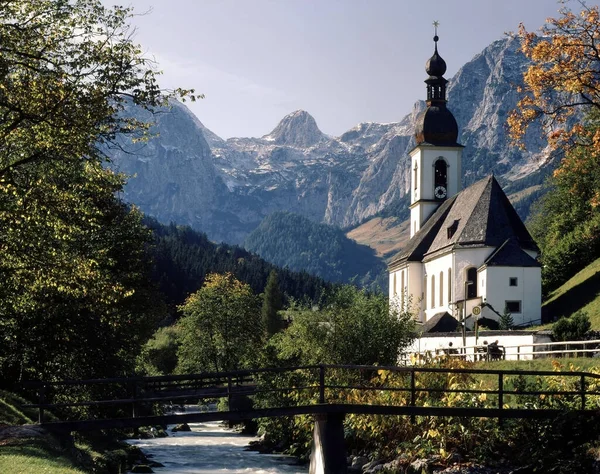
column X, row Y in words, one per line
column 183, row 258
column 292, row 241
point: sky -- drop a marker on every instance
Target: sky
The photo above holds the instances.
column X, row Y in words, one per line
column 343, row 61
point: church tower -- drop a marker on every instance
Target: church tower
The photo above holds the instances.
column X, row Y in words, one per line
column 436, row 159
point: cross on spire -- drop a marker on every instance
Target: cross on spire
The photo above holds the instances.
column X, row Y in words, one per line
column 435, row 26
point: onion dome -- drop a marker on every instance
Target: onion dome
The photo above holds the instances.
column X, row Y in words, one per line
column 435, row 65
column 436, row 125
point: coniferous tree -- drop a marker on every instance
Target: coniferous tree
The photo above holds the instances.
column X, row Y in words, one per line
column 272, row 304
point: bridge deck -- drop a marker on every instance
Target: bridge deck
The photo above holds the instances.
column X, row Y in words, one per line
column 200, row 417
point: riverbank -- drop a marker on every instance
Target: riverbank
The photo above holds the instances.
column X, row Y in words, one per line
column 31, row 449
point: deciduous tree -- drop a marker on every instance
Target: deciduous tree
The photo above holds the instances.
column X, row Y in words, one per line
column 563, row 79
column 221, row 326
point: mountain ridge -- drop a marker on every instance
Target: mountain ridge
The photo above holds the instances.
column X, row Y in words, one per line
column 235, row 183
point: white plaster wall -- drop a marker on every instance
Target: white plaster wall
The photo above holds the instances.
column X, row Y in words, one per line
column 517, row 343
column 528, row 291
column 424, row 157
column 434, row 267
column 465, row 258
column 428, row 158
column 415, row 288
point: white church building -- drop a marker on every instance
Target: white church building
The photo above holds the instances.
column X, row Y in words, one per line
column 469, row 256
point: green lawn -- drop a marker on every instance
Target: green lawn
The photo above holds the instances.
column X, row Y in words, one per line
column 582, row 292
column 31, row 456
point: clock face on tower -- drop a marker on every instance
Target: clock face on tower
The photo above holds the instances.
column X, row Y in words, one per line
column 440, row 192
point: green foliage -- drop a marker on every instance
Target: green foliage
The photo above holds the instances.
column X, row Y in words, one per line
column 290, row 240
column 66, row 70
column 183, row 258
column 221, row 327
column 159, row 354
column 573, row 328
column 566, row 220
column 75, row 298
column 352, row 327
column 271, row 305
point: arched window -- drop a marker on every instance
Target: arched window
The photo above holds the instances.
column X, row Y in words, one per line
column 449, row 285
column 441, row 288
column 402, row 290
column 416, row 176
column 433, row 291
column 424, row 295
column 441, row 173
column 395, row 285
column 472, row 277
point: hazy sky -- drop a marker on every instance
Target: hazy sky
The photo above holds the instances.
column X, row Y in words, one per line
column 343, row 61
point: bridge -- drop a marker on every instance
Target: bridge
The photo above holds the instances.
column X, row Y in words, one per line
column 321, row 391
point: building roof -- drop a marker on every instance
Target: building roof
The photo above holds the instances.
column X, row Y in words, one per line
column 509, row 254
column 479, row 216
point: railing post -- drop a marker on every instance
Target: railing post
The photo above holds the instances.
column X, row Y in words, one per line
column 413, row 393
column 583, row 391
column 500, row 396
column 42, row 394
column 519, row 353
column 322, row 384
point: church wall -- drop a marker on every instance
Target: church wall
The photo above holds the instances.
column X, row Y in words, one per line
column 517, row 344
column 415, row 289
column 526, row 291
column 465, row 259
column 438, row 270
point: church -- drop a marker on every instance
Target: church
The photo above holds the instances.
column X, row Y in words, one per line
column 469, row 256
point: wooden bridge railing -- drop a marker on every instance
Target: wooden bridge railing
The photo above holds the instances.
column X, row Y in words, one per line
column 327, row 385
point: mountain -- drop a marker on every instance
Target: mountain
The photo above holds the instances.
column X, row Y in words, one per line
column 225, row 188
column 295, row 242
column 182, row 258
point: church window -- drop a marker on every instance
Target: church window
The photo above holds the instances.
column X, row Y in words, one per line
column 424, row 294
column 441, row 173
column 513, row 281
column 433, row 291
column 472, row 277
column 452, row 228
column 402, row 290
column 416, row 176
column 513, row 306
column 449, row 285
column 441, row 288
column 395, row 285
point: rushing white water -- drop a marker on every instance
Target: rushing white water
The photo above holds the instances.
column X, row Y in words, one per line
column 211, row 448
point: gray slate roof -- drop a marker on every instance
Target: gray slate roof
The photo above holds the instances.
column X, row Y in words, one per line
column 479, row 216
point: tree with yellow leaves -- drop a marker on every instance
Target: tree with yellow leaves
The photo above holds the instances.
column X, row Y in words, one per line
column 563, row 79
column 562, row 91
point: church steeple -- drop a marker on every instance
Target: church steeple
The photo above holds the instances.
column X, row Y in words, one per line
column 436, row 160
column 436, row 125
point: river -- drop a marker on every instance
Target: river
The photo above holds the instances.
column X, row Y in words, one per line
column 212, row 448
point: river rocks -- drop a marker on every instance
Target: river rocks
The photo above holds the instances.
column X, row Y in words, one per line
column 359, row 462
column 181, row 427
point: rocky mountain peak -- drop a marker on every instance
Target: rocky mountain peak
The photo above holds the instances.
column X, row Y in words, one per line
column 297, row 129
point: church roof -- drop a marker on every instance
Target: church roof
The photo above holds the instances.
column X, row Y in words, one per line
column 509, row 254
column 440, row 322
column 479, row 216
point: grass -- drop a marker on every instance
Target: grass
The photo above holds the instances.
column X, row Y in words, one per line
column 45, row 454
column 581, row 292
column 35, row 455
